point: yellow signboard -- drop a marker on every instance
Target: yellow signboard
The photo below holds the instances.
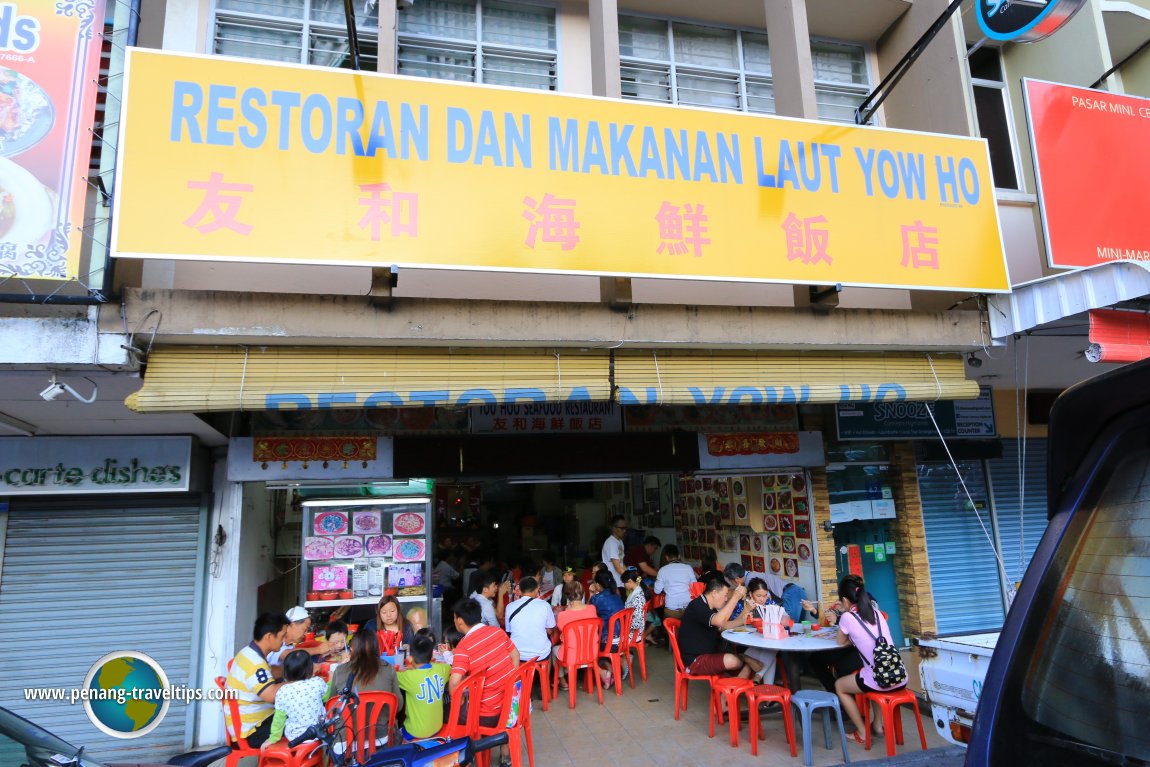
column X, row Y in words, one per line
column 294, row 164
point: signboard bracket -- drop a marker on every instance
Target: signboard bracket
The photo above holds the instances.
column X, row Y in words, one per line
column 818, row 296
column 383, row 282
column 866, row 109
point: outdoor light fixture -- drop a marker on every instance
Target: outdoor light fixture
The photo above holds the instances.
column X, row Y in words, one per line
column 974, row 362
column 56, row 388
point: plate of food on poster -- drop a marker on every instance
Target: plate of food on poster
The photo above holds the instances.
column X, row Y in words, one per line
column 799, row 484
column 804, row 552
column 774, row 544
column 747, row 562
column 744, row 542
column 786, row 523
column 757, row 564
column 788, row 544
column 769, row 501
column 724, row 511
column 757, row 543
column 803, row 528
column 784, row 480
column 791, row 567
column 708, row 483
column 330, row 523
column 785, row 501
column 738, row 489
column 771, row 522
column 801, row 507
column 776, row 565
column 741, row 511
column 709, row 519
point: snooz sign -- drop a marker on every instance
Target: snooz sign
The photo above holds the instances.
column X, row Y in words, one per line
column 296, row 164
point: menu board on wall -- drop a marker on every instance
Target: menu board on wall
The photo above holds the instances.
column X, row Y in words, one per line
column 355, row 551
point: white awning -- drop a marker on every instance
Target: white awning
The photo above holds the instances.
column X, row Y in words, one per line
column 1051, row 298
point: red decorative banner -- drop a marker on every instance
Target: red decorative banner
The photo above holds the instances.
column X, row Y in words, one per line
column 752, row 444
column 307, row 449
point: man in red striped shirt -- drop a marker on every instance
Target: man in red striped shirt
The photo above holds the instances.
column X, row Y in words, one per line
column 483, row 649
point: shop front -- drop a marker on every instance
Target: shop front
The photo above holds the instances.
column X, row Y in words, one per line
column 102, row 551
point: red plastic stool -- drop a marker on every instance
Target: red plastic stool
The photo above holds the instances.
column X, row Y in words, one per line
column 888, row 703
column 729, row 688
column 762, row 694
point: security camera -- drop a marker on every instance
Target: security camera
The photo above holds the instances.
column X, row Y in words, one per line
column 53, row 391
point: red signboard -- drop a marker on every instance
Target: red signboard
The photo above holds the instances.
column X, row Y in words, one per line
column 1092, row 156
column 49, row 64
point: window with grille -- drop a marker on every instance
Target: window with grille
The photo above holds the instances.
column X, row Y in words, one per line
column 299, row 31
column 481, row 42
column 679, row 63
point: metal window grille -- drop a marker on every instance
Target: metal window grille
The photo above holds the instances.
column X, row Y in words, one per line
column 300, row 31
column 678, row 63
column 486, row 42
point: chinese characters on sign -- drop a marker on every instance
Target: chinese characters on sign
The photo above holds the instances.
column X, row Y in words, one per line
column 445, row 175
column 548, row 418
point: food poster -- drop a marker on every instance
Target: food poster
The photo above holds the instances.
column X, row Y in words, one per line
column 339, row 538
column 48, row 78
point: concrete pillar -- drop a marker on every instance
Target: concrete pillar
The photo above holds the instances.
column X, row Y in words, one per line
column 605, row 48
column 911, row 564
column 605, row 82
column 793, row 77
column 791, row 70
column 388, row 27
column 826, row 554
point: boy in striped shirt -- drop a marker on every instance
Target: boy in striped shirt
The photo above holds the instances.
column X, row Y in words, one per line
column 251, row 680
column 483, row 649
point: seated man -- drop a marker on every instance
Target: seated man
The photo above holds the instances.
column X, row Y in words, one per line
column 674, row 579
column 700, row 635
column 299, row 623
column 250, row 679
column 528, row 619
column 484, row 649
column 488, row 595
column 642, row 557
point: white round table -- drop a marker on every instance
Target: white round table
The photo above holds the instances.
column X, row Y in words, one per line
column 825, row 639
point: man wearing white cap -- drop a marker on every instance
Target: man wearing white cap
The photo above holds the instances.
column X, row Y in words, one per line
column 299, row 626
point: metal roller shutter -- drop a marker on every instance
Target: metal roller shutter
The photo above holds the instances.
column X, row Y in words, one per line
column 963, row 572
column 82, row 578
column 1020, row 506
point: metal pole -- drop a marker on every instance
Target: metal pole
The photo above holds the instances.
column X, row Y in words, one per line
column 352, row 37
column 866, row 109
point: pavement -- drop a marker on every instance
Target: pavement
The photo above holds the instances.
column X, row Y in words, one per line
column 952, row 756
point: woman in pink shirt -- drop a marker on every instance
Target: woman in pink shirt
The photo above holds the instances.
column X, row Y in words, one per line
column 859, row 609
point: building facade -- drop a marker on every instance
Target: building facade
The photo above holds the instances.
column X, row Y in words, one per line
column 205, row 349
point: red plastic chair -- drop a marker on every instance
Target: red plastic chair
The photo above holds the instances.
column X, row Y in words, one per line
column 361, row 722
column 619, row 625
column 696, row 589
column 729, row 688
column 657, row 601
column 888, row 703
column 638, row 644
column 238, row 745
column 304, row 755
column 543, row 670
column 682, row 677
column 580, row 649
column 470, row 688
column 762, row 694
column 522, row 678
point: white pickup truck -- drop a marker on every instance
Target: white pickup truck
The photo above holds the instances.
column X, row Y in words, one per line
column 952, row 670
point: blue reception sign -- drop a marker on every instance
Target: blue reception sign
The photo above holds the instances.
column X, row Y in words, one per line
column 1024, row 21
